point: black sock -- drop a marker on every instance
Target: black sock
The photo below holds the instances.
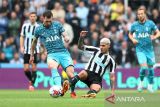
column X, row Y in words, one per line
column 92, row 91
column 73, row 81
column 28, row 75
column 34, row 76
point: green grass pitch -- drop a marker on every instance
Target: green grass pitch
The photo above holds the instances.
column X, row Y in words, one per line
column 41, row 98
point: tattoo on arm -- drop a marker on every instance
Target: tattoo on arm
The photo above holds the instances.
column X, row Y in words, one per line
column 80, row 43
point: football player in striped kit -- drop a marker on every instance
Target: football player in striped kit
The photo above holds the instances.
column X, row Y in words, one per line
column 26, row 38
column 98, row 64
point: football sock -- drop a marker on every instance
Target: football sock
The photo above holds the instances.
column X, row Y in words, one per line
column 150, row 75
column 34, row 76
column 56, row 77
column 73, row 82
column 142, row 73
column 28, row 75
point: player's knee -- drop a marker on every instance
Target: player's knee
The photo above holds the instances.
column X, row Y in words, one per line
column 83, row 74
column 143, row 70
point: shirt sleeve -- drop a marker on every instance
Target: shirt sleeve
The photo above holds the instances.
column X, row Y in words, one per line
column 90, row 48
column 23, row 30
column 153, row 26
column 112, row 65
column 61, row 29
column 131, row 30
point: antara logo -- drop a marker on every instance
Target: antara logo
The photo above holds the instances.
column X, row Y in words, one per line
column 52, row 38
column 143, row 35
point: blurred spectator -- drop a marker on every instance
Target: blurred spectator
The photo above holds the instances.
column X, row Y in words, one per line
column 75, row 54
column 105, row 9
column 68, row 29
column 9, row 48
column 125, row 57
column 97, row 21
column 18, row 10
column 38, row 6
column 4, row 9
column 117, row 9
column 58, row 11
column 70, row 13
column 1, row 42
column 3, row 58
column 155, row 16
column 82, row 13
column 14, row 25
column 16, row 59
column 94, row 40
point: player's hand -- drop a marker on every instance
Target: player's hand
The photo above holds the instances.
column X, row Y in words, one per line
column 153, row 37
column 134, row 41
column 66, row 39
column 83, row 33
column 22, row 49
column 31, row 59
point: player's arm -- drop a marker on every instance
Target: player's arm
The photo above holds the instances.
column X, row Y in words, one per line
column 22, row 44
column 65, row 36
column 155, row 35
column 22, row 39
column 112, row 76
column 33, row 46
column 132, row 38
column 81, row 39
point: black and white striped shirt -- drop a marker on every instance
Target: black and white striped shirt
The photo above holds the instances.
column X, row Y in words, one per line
column 28, row 31
column 99, row 63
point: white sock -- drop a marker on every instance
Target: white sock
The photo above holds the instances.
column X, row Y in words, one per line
column 141, row 84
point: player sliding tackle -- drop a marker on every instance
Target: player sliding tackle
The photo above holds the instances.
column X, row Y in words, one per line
column 145, row 31
column 96, row 67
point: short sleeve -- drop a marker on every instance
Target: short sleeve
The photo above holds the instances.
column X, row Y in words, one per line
column 153, row 26
column 23, row 30
column 131, row 30
column 112, row 65
column 61, row 29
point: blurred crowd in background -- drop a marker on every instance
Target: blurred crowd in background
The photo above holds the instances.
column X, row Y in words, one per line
column 101, row 18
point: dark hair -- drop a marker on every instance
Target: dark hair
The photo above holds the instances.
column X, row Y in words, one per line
column 48, row 14
column 142, row 8
column 33, row 13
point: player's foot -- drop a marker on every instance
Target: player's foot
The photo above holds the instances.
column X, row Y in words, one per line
column 65, row 87
column 73, row 95
column 91, row 95
column 150, row 88
column 30, row 88
column 140, row 87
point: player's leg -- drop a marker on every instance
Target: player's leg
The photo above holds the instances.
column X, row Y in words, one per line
column 81, row 76
column 94, row 89
column 150, row 62
column 67, row 64
column 34, row 69
column 27, row 72
column 53, row 65
column 94, row 82
column 142, row 59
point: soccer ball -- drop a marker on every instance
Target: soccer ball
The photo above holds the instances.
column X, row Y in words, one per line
column 55, row 91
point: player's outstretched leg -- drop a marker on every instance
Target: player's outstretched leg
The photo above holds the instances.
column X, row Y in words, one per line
column 73, row 82
column 65, row 87
column 150, row 79
column 142, row 72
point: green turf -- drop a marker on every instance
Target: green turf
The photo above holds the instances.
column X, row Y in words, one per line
column 41, row 98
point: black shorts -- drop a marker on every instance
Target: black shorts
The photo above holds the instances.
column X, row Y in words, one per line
column 27, row 57
column 92, row 78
